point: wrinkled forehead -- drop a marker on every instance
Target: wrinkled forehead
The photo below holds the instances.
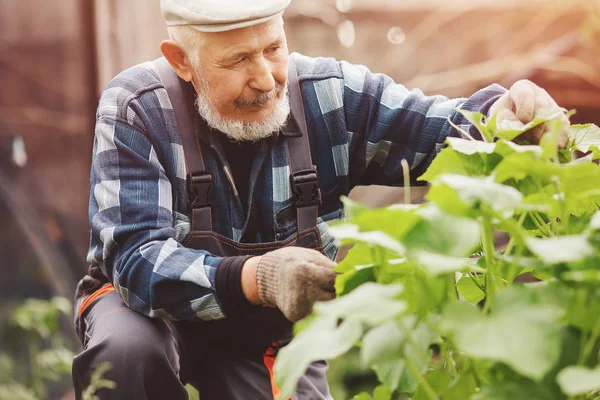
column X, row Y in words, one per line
column 251, row 39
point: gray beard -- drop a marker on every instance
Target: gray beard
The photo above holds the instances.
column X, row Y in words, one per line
column 243, row 131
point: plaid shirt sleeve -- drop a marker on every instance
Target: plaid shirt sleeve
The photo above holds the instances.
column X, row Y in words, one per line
column 386, row 123
column 133, row 237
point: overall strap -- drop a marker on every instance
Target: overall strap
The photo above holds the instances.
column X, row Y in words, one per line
column 199, row 181
column 303, row 179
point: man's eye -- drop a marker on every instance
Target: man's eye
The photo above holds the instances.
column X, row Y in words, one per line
column 273, row 49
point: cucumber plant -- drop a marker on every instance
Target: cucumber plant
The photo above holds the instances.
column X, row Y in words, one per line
column 438, row 311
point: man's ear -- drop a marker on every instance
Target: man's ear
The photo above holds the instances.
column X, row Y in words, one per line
column 177, row 58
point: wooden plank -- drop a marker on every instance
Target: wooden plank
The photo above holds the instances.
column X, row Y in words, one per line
column 127, row 33
column 47, row 97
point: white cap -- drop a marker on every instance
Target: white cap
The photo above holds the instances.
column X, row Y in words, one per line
column 220, row 15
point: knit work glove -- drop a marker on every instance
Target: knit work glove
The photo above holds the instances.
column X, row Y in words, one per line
column 293, row 278
column 520, row 104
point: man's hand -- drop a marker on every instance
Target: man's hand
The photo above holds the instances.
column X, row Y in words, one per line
column 521, row 102
column 292, row 279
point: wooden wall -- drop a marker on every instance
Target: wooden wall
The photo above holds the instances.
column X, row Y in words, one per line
column 47, row 64
column 128, row 32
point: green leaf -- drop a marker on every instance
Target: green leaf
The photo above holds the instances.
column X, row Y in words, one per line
column 358, row 256
column 581, row 313
column 325, row 338
column 438, row 379
column 350, row 233
column 355, row 269
column 362, row 396
column 506, row 148
column 576, row 381
column 382, row 343
column 469, row 290
column 391, row 221
column 395, row 374
column 387, row 344
column 586, row 138
column 512, row 391
column 370, row 303
column 580, row 183
column 439, row 232
column 40, row 316
column 16, row 391
column 581, row 276
column 478, row 120
column 473, row 191
column 595, row 222
column 560, row 249
column 55, row 362
column 550, row 139
column 450, row 161
column 382, row 392
column 463, row 387
column 448, row 200
column 97, row 382
column 509, row 129
column 350, row 280
column 192, row 392
column 522, row 331
column 6, row 368
column 470, row 147
column 519, row 166
column 437, row 264
column 352, row 208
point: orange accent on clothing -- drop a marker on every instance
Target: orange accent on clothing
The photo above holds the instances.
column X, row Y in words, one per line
column 107, row 288
column 269, row 360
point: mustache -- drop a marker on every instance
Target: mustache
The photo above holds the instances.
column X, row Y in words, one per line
column 260, row 98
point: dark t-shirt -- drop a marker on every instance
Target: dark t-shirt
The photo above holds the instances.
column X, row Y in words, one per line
column 240, row 156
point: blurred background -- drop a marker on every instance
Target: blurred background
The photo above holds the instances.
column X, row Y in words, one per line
column 55, row 58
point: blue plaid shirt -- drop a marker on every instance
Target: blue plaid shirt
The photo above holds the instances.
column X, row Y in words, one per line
column 360, row 126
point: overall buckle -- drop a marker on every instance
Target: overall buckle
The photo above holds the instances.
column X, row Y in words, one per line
column 200, row 185
column 305, row 187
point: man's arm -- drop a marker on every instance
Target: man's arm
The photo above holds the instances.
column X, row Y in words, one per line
column 386, row 123
column 133, row 237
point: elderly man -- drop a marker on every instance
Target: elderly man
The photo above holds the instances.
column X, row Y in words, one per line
column 215, row 171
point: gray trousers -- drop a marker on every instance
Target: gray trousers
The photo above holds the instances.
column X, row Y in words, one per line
column 154, row 359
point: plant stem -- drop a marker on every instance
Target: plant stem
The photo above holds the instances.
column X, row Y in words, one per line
column 512, row 241
column 591, row 341
column 377, row 268
column 541, row 224
column 564, row 217
column 406, row 179
column 449, row 360
column 514, row 269
column 491, row 275
column 465, row 133
column 477, row 281
column 411, row 365
column 424, row 384
column 35, row 379
column 589, row 338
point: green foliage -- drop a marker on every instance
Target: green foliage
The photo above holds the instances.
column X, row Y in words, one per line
column 429, row 335
column 35, row 324
column 97, row 382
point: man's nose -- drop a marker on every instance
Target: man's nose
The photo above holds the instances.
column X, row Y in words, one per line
column 262, row 76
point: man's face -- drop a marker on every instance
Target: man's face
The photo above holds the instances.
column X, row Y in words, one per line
column 241, row 80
